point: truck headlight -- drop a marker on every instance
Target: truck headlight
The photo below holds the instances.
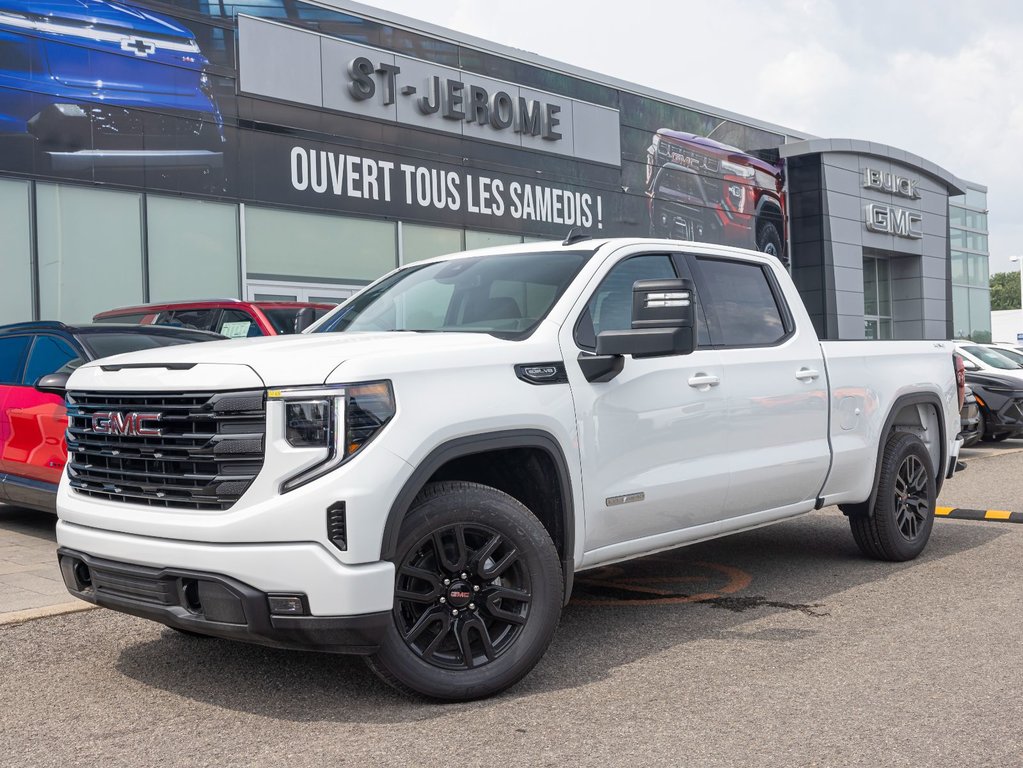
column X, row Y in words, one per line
column 734, row 169
column 340, row 418
column 308, row 423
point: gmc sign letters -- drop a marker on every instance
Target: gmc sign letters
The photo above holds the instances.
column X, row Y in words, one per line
column 889, row 220
column 454, row 100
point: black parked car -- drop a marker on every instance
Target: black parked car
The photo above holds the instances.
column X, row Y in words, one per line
column 1000, row 399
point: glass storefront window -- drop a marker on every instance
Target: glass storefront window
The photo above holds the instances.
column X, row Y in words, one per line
column 959, row 270
column 975, row 198
column 16, row 283
column 420, row 242
column 193, row 249
column 877, row 298
column 979, row 270
column 980, row 314
column 474, row 239
column 960, row 312
column 90, row 250
column 312, row 246
column 962, row 217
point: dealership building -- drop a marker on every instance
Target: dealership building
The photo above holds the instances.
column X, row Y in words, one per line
column 183, row 149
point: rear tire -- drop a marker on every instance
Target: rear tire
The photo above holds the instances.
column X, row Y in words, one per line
column 898, row 527
column 478, row 595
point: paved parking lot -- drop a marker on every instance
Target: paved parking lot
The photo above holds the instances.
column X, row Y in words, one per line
column 776, row 647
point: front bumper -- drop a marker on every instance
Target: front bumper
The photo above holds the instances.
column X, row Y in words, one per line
column 213, row 604
column 332, row 588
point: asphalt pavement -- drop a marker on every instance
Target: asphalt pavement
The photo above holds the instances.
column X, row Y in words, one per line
column 777, row 647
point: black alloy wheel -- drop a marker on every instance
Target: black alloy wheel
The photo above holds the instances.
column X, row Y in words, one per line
column 911, row 500
column 898, row 526
column 462, row 596
column 477, row 594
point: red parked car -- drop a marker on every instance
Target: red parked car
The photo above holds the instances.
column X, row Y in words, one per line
column 229, row 317
column 33, row 423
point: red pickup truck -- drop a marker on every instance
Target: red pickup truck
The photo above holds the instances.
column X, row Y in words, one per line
column 701, row 189
column 228, row 317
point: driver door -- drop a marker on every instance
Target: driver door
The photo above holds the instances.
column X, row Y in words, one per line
column 652, row 440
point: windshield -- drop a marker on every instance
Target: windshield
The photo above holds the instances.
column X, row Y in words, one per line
column 1012, row 354
column 992, row 358
column 105, row 344
column 506, row 295
column 283, row 320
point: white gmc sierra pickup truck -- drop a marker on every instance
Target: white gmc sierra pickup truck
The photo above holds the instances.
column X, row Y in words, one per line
column 418, row 477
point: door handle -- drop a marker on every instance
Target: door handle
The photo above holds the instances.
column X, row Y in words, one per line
column 703, row 382
column 807, row 374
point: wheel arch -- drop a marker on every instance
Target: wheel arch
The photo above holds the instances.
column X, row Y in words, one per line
column 769, row 209
column 463, row 458
column 905, row 412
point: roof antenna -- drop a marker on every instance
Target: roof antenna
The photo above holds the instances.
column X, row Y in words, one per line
column 574, row 236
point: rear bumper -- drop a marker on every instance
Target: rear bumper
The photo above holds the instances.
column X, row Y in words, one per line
column 213, row 604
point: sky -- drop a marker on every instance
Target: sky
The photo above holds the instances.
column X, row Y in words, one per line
column 938, row 78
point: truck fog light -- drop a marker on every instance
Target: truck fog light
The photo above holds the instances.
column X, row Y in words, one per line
column 287, row 605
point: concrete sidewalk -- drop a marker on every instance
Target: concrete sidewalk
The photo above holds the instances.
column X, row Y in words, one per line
column 30, row 582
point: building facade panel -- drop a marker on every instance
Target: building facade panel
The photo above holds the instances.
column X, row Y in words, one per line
column 303, row 145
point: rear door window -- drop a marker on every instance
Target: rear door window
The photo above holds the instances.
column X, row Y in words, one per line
column 236, row 324
column 742, row 306
column 50, row 355
column 13, row 350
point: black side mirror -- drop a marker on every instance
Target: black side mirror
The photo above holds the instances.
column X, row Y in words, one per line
column 663, row 313
column 304, row 318
column 53, row 384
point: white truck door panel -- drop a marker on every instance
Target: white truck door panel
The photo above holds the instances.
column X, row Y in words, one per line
column 776, row 393
column 652, row 440
column 779, row 423
column 653, row 447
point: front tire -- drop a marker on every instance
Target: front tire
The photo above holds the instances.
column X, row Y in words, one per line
column 478, row 594
column 898, row 527
column 769, row 240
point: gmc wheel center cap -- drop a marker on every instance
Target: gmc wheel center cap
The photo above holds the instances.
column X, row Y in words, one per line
column 459, row 594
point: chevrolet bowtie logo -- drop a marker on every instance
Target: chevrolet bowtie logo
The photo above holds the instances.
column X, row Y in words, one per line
column 138, row 46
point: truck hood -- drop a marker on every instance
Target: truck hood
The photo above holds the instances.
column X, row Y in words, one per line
column 281, row 361
column 718, row 149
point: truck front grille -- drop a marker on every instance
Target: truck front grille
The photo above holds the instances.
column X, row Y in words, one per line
column 190, row 451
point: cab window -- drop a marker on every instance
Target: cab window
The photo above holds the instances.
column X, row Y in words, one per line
column 49, row 355
column 610, row 306
column 195, row 319
column 12, row 358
